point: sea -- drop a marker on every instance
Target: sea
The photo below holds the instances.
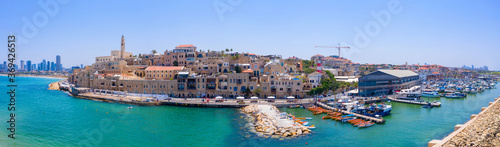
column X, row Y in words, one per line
column 52, row 118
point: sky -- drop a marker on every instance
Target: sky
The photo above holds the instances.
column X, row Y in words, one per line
column 448, row 32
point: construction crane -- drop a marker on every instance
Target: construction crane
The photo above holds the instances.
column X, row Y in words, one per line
column 337, row 47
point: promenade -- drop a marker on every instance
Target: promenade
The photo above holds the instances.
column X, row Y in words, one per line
column 233, row 103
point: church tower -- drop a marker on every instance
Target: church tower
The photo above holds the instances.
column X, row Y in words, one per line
column 122, row 51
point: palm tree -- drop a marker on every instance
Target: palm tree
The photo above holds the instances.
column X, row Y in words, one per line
column 231, row 50
column 227, row 50
column 153, row 51
column 208, row 50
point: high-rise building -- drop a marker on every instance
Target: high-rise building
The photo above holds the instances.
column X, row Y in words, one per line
column 28, row 66
column 58, row 63
column 22, row 65
column 34, row 67
column 52, row 66
column 48, row 66
column 42, row 65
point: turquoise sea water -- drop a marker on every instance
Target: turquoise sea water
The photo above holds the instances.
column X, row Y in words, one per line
column 52, row 118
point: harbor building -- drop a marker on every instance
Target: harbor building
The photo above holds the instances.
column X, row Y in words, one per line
column 383, row 82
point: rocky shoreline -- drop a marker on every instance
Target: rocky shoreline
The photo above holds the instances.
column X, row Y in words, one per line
column 483, row 131
column 267, row 122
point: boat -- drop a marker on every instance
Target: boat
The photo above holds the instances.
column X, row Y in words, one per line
column 305, row 123
column 130, row 107
column 430, row 93
column 455, row 95
column 365, row 125
column 311, row 127
column 411, row 97
column 374, row 109
column 427, row 106
column 308, row 118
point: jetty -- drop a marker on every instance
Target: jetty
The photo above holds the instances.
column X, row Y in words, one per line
column 434, row 104
column 269, row 122
column 374, row 119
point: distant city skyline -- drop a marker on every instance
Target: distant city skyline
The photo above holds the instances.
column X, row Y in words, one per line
column 449, row 33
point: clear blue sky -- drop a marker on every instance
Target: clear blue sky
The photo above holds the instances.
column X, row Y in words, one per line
column 449, row 32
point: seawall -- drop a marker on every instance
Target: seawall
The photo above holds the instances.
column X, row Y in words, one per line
column 482, row 129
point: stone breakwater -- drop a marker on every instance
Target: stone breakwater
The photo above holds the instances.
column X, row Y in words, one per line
column 54, row 86
column 270, row 123
column 482, row 130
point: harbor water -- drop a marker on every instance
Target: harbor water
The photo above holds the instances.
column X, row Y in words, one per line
column 52, row 118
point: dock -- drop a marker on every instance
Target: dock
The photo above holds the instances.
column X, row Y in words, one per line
column 376, row 120
column 434, row 104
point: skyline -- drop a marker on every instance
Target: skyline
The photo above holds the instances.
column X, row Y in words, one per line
column 448, row 33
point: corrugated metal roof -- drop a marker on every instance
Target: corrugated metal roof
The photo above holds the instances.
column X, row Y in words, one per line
column 399, row 73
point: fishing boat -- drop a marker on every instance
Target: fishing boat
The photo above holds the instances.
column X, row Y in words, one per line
column 311, row 127
column 130, row 107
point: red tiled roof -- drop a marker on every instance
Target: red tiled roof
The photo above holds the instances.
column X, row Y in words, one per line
column 251, row 54
column 165, row 68
column 247, row 71
column 186, row 45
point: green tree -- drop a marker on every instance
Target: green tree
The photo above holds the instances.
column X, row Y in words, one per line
column 309, row 70
column 176, row 63
column 153, row 51
column 227, row 50
column 247, row 92
column 231, row 50
column 257, row 92
column 237, row 69
column 140, row 56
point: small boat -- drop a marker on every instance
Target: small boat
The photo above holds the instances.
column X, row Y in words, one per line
column 430, row 93
column 305, row 123
column 455, row 95
column 311, row 127
column 130, row 107
column 427, row 106
column 365, row 125
column 309, row 118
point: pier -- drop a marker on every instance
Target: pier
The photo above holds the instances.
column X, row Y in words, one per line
column 434, row 104
column 376, row 120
